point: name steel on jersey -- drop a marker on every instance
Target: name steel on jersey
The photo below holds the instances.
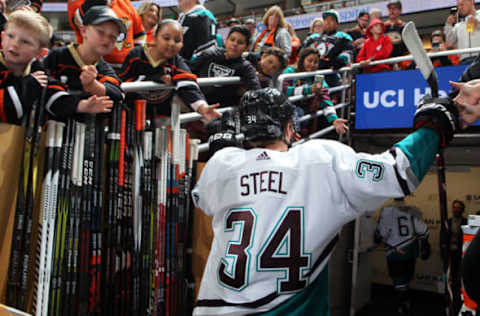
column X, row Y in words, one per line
column 262, row 181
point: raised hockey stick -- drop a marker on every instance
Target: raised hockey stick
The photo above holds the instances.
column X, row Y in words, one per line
column 414, row 45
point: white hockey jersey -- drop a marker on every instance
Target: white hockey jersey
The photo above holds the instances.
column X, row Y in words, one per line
column 400, row 225
column 275, row 215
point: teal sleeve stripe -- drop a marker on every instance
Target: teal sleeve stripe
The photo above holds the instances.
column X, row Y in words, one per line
column 289, row 91
column 420, row 147
column 331, row 118
column 307, row 90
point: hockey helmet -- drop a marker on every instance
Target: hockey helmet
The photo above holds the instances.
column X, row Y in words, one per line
column 264, row 114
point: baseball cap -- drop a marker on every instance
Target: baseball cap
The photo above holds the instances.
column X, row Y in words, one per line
column 250, row 21
column 395, row 2
column 331, row 13
column 101, row 13
column 232, row 20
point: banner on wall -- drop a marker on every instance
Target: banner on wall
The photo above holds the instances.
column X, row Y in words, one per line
column 388, row 100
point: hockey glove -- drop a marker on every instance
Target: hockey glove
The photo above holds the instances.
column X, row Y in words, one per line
column 222, row 133
column 440, row 114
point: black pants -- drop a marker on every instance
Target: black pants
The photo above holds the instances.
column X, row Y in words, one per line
column 455, row 266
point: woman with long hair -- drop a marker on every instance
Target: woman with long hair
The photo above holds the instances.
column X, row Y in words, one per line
column 275, row 32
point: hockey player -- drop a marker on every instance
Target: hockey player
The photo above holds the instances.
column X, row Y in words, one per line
column 402, row 230
column 277, row 211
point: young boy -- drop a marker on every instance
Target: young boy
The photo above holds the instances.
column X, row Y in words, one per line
column 227, row 62
column 269, row 64
column 22, row 76
column 80, row 66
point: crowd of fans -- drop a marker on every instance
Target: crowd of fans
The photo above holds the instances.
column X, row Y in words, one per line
column 177, row 52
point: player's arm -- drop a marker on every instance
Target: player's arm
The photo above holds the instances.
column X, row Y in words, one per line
column 369, row 180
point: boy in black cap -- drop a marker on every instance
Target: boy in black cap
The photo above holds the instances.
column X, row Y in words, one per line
column 22, row 76
column 81, row 66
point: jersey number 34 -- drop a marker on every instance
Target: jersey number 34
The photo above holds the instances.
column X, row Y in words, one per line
column 282, row 251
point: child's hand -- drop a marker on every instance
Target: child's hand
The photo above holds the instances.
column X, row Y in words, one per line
column 88, row 75
column 41, row 78
column 317, row 88
column 340, row 126
column 209, row 112
column 95, row 104
column 167, row 79
column 364, row 63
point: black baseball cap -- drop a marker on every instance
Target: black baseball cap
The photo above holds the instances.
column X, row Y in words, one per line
column 102, row 13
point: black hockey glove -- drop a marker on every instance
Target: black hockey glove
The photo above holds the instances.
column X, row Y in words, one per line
column 425, row 249
column 222, row 132
column 440, row 114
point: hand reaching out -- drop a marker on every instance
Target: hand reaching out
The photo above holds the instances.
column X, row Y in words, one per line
column 467, row 101
column 209, row 112
column 95, row 104
column 340, row 126
column 167, row 79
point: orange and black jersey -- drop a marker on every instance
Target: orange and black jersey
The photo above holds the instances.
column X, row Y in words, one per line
column 65, row 65
column 125, row 11
column 17, row 94
column 140, row 66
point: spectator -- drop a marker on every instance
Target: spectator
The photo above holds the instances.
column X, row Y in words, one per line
column 199, row 27
column 308, row 61
column 227, row 62
column 316, row 26
column 438, row 45
column 455, row 242
column 151, row 14
column 375, row 13
column 275, row 32
column 335, row 47
column 124, row 11
column 402, row 230
column 233, row 22
column 23, row 77
column 252, row 26
column 160, row 62
column 359, row 32
column 80, row 67
column 272, row 61
column 467, row 97
column 394, row 27
column 377, row 46
column 296, row 43
column 466, row 32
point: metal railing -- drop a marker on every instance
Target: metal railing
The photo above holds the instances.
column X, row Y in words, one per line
column 345, row 72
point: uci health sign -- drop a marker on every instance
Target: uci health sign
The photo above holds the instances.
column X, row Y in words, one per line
column 388, row 100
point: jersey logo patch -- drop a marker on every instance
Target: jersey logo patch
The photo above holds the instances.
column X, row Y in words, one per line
column 367, row 166
column 216, row 70
column 263, row 156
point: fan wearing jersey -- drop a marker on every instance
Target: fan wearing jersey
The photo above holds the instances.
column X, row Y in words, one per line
column 227, row 62
column 134, row 35
column 160, row 62
column 402, row 230
column 81, row 68
column 277, row 211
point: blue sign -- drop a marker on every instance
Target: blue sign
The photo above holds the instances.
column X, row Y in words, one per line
column 388, row 100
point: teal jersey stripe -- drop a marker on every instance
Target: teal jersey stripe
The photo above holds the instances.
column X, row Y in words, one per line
column 312, row 300
column 420, row 147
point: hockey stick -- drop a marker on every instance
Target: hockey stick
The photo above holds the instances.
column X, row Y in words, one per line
column 412, row 41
